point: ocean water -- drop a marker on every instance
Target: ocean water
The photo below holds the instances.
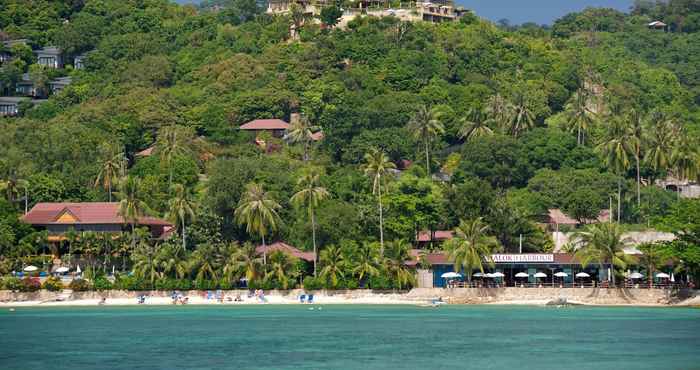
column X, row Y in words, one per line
column 349, row 337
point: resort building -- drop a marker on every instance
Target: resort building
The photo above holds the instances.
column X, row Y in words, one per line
column 50, row 57
column 25, row 86
column 78, row 61
column 57, row 85
column 276, row 127
column 5, row 50
column 102, row 217
column 9, row 105
column 265, row 250
column 684, row 188
column 657, row 25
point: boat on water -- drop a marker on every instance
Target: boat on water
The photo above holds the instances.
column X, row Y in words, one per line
column 436, row 302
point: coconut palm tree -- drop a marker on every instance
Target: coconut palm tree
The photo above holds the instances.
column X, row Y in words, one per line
column 651, row 258
column 333, row 265
column 172, row 261
column 282, row 269
column 659, row 140
column 684, row 158
column 310, row 195
column 248, row 262
column 475, row 124
column 602, row 243
column 634, row 145
column 145, row 263
column 499, row 110
column 258, row 211
column 377, row 164
column 302, row 132
column 366, row 262
column 425, row 125
column 203, row 263
column 397, row 253
column 181, row 210
column 173, row 141
column 579, row 117
column 615, row 151
column 131, row 206
column 471, row 247
column 521, row 116
column 113, row 166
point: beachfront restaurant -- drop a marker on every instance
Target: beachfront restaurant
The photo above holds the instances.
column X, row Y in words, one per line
column 547, row 269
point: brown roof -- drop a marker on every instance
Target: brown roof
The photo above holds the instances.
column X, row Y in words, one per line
column 265, row 124
column 146, row 152
column 317, row 136
column 285, row 248
column 439, row 235
column 82, row 213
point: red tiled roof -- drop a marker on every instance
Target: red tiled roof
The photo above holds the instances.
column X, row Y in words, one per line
column 285, row 248
column 439, row 235
column 265, row 124
column 146, row 152
column 317, row 136
column 84, row 213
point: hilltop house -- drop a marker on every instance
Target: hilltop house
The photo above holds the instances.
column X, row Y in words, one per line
column 101, row 217
column 684, row 188
column 51, row 57
column 276, row 127
column 57, row 85
column 283, row 247
column 9, row 105
column 5, row 52
column 25, row 86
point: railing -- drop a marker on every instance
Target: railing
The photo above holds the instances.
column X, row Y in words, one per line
column 550, row 284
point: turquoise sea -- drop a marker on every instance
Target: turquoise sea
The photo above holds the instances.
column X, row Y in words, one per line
column 349, row 337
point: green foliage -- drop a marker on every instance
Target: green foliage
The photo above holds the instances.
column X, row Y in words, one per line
column 52, row 284
column 80, row 285
column 12, row 283
column 101, row 283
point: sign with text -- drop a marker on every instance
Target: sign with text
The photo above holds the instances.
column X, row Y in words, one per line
column 517, row 258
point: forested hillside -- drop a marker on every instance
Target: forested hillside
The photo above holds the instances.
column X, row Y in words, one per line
column 482, row 121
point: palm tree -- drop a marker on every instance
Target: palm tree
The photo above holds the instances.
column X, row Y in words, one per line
column 258, row 211
column 282, row 268
column 395, row 262
column 602, row 243
column 203, row 263
column 333, row 265
column 651, row 258
column 659, row 142
column 181, row 210
column 425, row 126
column 367, row 262
column 521, row 117
column 499, row 110
column 302, row 131
column 172, row 260
column 684, row 158
column 310, row 195
column 145, row 262
column 131, row 207
column 376, row 165
column 615, row 150
column 471, row 246
column 634, row 145
column 172, row 142
column 475, row 125
column 244, row 261
column 113, row 165
column 579, row 117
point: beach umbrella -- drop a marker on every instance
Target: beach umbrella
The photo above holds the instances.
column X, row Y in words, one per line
column 673, row 280
column 30, row 268
column 497, row 275
column 636, row 275
column 540, row 275
column 478, row 274
column 62, row 269
column 488, row 275
column 561, row 274
column 522, row 275
column 450, row 275
column 112, row 269
column 663, row 275
column 609, row 274
column 78, row 270
column 582, row 275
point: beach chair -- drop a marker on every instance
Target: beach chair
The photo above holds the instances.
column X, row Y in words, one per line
column 310, row 298
column 302, row 298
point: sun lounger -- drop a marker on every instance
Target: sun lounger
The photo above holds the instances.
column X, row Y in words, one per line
column 310, row 299
column 302, row 298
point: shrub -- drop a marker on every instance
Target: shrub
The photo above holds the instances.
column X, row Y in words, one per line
column 52, row 284
column 225, row 284
column 12, row 283
column 102, row 283
column 29, row 284
column 204, row 284
column 173, row 284
column 312, row 283
column 131, row 283
column 380, row 282
column 79, row 285
column 352, row 284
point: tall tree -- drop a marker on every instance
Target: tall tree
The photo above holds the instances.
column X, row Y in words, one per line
column 425, row 126
column 475, row 124
column 499, row 110
column 659, row 138
column 634, row 134
column 615, row 151
column 366, row 262
column 181, row 210
column 521, row 116
column 397, row 253
column 376, row 166
column 173, row 141
column 333, row 265
column 258, row 211
column 471, row 246
column 684, row 158
column 245, row 261
column 131, row 205
column 301, row 131
column 310, row 196
column 579, row 117
column 602, row 243
column 112, row 168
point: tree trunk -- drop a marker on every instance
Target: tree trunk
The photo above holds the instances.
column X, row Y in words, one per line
column 639, row 182
column 427, row 159
column 381, row 223
column 313, row 237
column 109, row 190
column 184, row 236
column 264, row 251
column 619, row 199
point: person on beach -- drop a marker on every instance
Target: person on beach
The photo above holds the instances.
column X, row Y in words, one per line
column 102, row 301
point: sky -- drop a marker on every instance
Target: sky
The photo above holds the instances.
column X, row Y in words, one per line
column 538, row 11
column 521, row 11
